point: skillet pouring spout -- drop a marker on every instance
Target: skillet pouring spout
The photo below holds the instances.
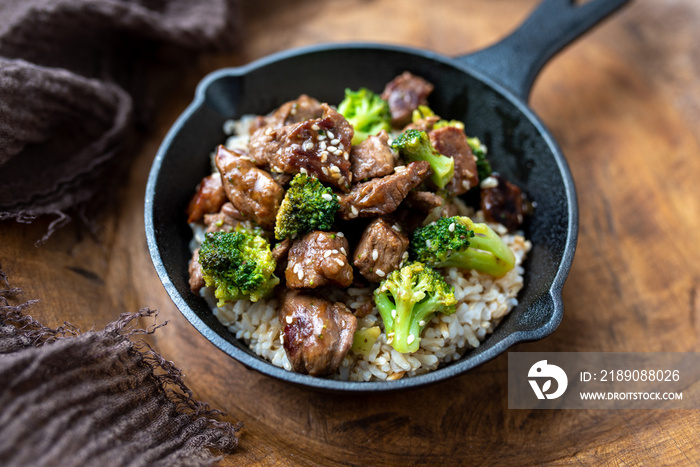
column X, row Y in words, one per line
column 466, row 89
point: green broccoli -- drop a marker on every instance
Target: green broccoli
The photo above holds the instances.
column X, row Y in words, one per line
column 239, row 264
column 483, row 168
column 414, row 145
column 407, row 299
column 459, row 242
column 367, row 113
column 423, row 111
column 308, row 205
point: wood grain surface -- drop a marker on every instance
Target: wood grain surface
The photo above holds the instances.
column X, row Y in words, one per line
column 624, row 104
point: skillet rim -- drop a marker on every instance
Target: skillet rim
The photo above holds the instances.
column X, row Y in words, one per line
column 460, row 367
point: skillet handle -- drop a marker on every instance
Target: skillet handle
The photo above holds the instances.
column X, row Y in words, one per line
column 515, row 61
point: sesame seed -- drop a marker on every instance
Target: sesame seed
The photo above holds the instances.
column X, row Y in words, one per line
column 489, row 182
column 308, row 145
column 342, row 250
column 268, row 131
column 465, row 184
column 332, row 149
column 393, row 314
column 380, row 273
column 315, row 127
column 300, row 274
column 326, row 253
column 346, row 156
column 296, row 267
column 324, row 156
column 405, row 255
column 335, row 252
column 324, row 169
column 335, row 169
column 289, row 319
column 396, row 227
column 410, row 338
column 322, row 145
column 335, row 141
column 451, row 228
column 341, row 147
column 375, row 255
column 354, row 210
column 303, row 170
column 327, row 196
column 321, row 137
column 340, row 262
column 330, row 134
column 340, row 234
column 399, row 168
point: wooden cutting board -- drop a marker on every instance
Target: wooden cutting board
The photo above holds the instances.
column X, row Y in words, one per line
column 623, row 103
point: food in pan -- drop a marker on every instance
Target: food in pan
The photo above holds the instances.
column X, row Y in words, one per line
column 368, row 240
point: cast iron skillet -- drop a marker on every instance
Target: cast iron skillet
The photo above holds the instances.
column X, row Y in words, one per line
column 487, row 90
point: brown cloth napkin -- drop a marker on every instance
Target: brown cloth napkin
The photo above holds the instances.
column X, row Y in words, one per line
column 96, row 398
column 77, row 79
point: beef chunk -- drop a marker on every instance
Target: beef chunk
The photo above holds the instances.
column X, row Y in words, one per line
column 317, row 259
column 504, row 203
column 404, row 94
column 424, row 201
column 224, row 220
column 195, row 270
column 380, row 251
column 372, row 158
column 281, row 249
column 208, row 199
column 318, row 146
column 452, row 142
column 381, row 196
column 316, row 333
column 295, row 111
column 298, row 110
column 251, row 190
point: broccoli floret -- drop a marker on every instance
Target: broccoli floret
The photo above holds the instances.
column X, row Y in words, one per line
column 238, row 264
column 459, row 242
column 483, row 168
column 407, row 299
column 308, row 205
column 364, row 339
column 414, row 145
column 367, row 113
column 423, row 111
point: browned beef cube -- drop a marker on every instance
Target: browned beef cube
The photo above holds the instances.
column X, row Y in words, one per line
column 380, row 251
column 317, row 259
column 195, row 271
column 504, row 203
column 452, row 142
column 404, row 94
column 316, row 333
column 319, row 147
column 208, row 199
column 381, row 196
column 372, row 158
column 251, row 190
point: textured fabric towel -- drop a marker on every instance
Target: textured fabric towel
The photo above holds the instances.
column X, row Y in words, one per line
column 98, row 398
column 77, row 79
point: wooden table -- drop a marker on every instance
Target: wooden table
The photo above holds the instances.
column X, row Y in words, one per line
column 624, row 104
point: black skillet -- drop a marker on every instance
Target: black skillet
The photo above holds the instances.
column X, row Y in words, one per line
column 487, row 90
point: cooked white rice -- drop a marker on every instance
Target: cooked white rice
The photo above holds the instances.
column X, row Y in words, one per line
column 482, row 302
